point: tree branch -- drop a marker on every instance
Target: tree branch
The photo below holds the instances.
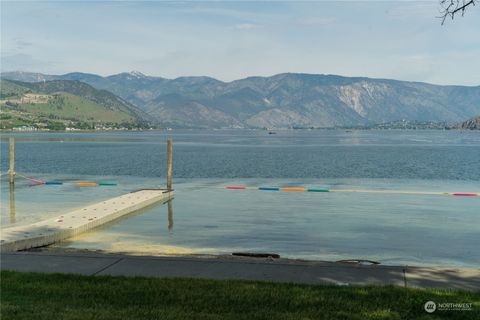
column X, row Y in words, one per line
column 450, row 8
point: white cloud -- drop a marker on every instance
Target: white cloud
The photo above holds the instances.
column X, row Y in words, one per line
column 246, row 26
column 317, row 21
column 22, row 44
column 228, row 41
column 407, row 10
column 23, row 62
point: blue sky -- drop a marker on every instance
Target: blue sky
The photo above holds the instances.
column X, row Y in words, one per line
column 231, row 40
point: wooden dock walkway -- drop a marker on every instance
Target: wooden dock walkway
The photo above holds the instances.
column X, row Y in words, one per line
column 53, row 230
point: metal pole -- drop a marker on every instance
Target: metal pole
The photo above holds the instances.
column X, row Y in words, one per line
column 169, row 164
column 12, row 160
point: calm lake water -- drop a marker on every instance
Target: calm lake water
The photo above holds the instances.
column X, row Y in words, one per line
column 205, row 217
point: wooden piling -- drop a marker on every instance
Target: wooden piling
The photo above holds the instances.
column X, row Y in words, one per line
column 170, row 215
column 169, row 164
column 12, row 203
column 12, row 160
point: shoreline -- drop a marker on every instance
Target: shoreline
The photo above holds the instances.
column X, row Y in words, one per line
column 229, row 256
column 181, row 252
column 239, row 268
column 346, row 129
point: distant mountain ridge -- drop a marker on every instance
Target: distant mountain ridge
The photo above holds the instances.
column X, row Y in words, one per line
column 472, row 124
column 286, row 100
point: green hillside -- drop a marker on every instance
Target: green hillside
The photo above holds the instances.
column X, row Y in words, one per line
column 101, row 97
column 71, row 107
column 9, row 90
column 57, row 105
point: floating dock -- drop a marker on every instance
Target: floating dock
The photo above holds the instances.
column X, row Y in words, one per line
column 54, row 230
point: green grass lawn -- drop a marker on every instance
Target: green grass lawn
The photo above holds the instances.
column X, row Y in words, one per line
column 57, row 296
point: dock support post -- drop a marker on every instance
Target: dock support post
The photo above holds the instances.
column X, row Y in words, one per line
column 170, row 214
column 169, row 164
column 12, row 203
column 12, row 160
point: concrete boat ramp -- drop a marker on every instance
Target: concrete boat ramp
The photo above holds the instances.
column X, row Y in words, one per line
column 242, row 268
column 53, row 230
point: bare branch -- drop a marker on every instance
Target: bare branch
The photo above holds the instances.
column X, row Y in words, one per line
column 451, row 8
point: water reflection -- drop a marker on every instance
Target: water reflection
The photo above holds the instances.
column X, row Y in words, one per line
column 170, row 215
column 12, row 203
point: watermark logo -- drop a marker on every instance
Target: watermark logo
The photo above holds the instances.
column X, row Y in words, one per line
column 430, row 306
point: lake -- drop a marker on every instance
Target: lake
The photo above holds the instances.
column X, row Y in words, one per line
column 206, row 218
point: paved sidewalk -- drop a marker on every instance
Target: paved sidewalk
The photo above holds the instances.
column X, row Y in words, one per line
column 227, row 267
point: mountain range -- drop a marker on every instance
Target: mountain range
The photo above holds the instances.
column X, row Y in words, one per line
column 286, row 100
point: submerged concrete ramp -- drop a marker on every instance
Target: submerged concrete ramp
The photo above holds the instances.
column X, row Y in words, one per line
column 53, row 230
